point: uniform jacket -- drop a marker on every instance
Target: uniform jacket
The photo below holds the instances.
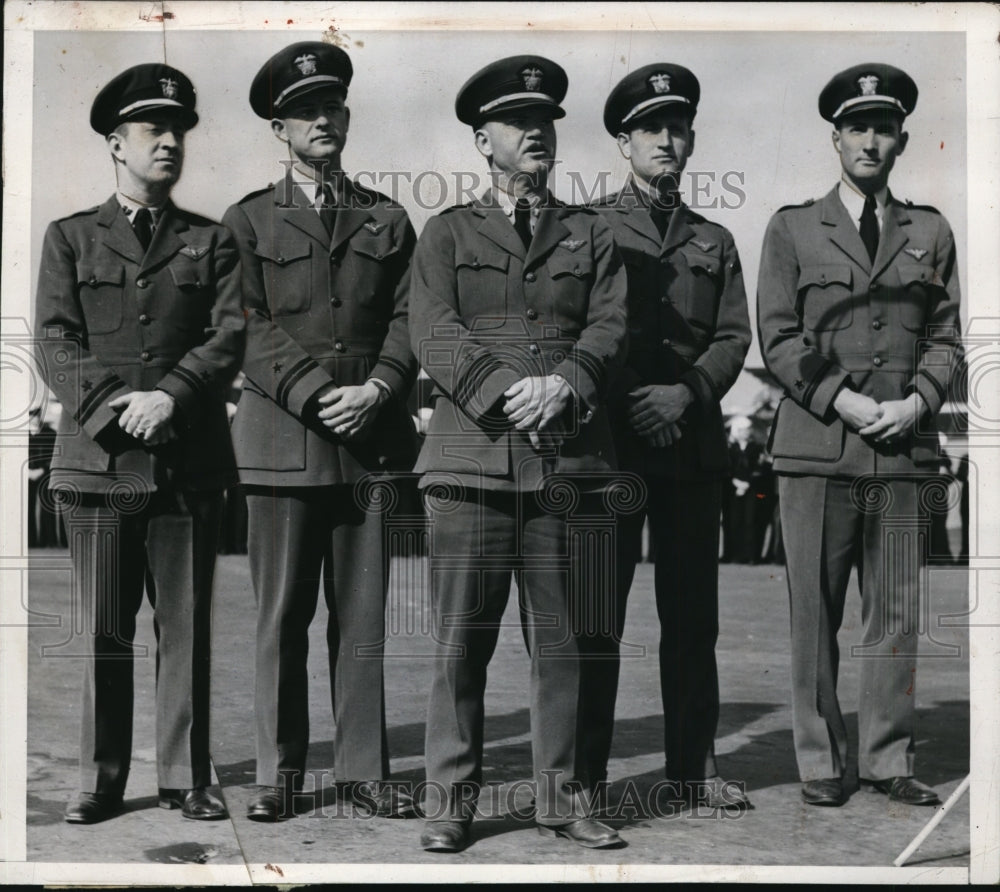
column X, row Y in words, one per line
column 688, row 323
column 110, row 320
column 486, row 313
column 321, row 310
column 828, row 318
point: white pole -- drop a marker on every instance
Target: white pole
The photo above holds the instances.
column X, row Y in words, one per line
column 933, row 822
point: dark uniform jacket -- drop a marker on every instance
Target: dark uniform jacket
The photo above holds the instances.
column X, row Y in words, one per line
column 110, row 320
column 321, row 310
column 828, row 318
column 486, row 313
column 688, row 323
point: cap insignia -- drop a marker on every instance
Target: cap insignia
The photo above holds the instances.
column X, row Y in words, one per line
column 532, row 78
column 169, row 87
column 306, row 64
column 868, row 84
column 660, row 83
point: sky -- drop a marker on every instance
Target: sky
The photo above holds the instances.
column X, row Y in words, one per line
column 760, row 144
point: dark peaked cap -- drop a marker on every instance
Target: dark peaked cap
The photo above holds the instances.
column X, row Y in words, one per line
column 512, row 83
column 868, row 86
column 296, row 70
column 142, row 90
column 647, row 89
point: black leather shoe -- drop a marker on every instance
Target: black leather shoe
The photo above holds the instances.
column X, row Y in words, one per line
column 827, row 791
column 383, row 800
column 907, row 790
column 585, row 832
column 92, row 808
column 196, row 803
column 714, row 792
column 270, row 804
column 446, row 836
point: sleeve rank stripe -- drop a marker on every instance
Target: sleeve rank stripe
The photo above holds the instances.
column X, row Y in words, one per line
column 298, row 371
column 187, row 376
column 92, row 401
column 941, row 390
column 815, row 381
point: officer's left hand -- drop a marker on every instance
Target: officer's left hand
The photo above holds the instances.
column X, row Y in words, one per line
column 146, row 415
column 350, row 410
column 899, row 417
column 657, row 405
column 535, row 402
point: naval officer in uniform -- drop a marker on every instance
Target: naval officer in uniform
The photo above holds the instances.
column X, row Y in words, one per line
column 689, row 332
column 140, row 333
column 858, row 311
column 518, row 314
column 322, row 424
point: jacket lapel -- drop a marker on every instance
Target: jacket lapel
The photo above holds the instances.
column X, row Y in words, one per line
column 549, row 231
column 166, row 241
column 679, row 230
column 843, row 233
column 634, row 212
column 118, row 233
column 293, row 207
column 349, row 218
column 495, row 226
column 893, row 236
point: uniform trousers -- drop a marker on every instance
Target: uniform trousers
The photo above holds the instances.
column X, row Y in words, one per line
column 831, row 525
column 299, row 539
column 684, row 530
column 477, row 541
column 165, row 543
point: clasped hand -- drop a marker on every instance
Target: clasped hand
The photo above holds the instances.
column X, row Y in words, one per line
column 535, row 404
column 350, row 410
column 146, row 415
column 656, row 411
column 880, row 421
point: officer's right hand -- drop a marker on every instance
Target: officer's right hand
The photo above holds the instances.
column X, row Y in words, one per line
column 663, row 436
column 856, row 409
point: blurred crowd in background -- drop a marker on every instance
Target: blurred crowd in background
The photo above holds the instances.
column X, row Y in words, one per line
column 751, row 515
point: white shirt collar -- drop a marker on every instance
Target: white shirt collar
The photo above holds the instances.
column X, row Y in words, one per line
column 506, row 203
column 854, row 201
column 311, row 187
column 130, row 206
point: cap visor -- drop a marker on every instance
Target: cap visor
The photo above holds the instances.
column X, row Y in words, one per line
column 186, row 116
column 554, row 110
column 304, row 89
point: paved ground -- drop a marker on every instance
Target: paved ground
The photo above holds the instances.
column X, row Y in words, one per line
column 754, row 743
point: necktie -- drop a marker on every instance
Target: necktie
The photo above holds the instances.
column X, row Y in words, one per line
column 143, row 226
column 869, row 227
column 661, row 219
column 522, row 221
column 328, row 210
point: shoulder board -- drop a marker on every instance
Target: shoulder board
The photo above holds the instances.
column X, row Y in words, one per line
column 92, row 210
column 579, row 208
column 807, row 203
column 605, row 201
column 257, row 193
column 455, row 207
column 921, row 207
column 694, row 217
column 193, row 218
